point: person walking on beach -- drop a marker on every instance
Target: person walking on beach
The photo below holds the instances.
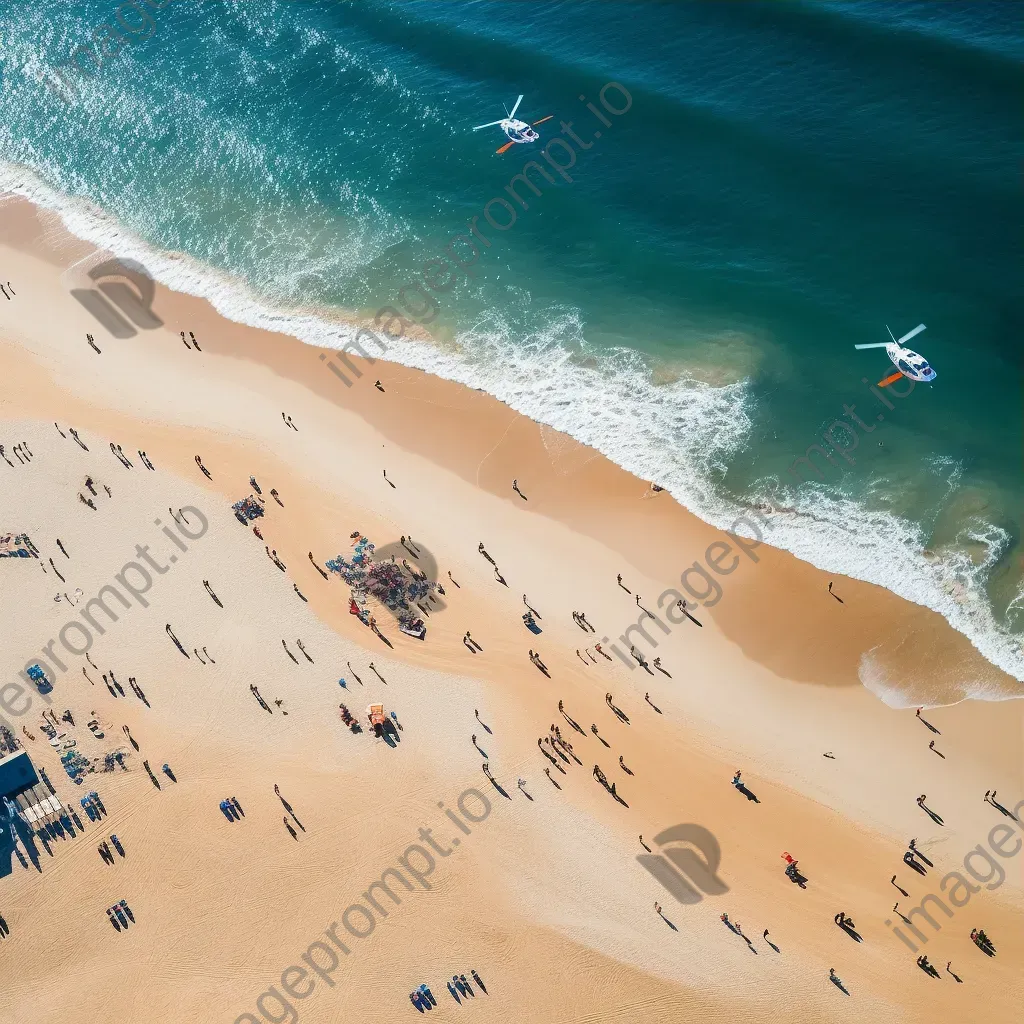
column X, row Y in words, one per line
column 848, row 926
column 515, row 487
column 900, row 887
column 836, row 980
column 991, row 799
column 741, row 786
column 621, row 584
column 931, row 814
column 917, row 853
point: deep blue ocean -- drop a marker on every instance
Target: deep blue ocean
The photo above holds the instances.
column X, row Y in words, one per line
column 783, row 181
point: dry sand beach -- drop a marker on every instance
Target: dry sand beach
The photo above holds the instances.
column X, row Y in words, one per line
column 541, row 894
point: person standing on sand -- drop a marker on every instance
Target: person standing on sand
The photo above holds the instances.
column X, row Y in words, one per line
column 835, row 979
column 931, row 814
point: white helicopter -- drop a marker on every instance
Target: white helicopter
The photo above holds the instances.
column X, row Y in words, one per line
column 516, row 130
column 908, row 362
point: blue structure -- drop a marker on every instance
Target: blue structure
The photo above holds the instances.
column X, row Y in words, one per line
column 38, row 676
column 16, row 774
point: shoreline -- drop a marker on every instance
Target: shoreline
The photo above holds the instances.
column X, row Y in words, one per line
column 913, row 572
column 943, row 590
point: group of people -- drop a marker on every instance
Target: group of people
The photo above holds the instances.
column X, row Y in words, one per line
column 459, row 984
column 982, row 941
column 536, row 659
column 232, row 809
column 119, row 915
column 104, row 849
column 20, row 451
column 794, row 874
column 423, row 999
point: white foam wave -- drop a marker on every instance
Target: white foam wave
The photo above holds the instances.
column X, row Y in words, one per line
column 841, row 535
column 680, row 434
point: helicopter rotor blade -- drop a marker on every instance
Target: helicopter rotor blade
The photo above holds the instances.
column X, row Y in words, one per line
column 906, row 337
column 542, row 120
column 505, row 148
column 516, row 107
column 877, row 344
column 890, row 379
column 490, row 124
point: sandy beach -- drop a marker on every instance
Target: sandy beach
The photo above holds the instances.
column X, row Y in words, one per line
column 543, row 896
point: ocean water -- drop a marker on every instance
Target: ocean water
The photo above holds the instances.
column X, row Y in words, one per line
column 782, row 182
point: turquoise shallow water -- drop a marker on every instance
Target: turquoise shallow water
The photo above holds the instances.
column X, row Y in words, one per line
column 787, row 180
